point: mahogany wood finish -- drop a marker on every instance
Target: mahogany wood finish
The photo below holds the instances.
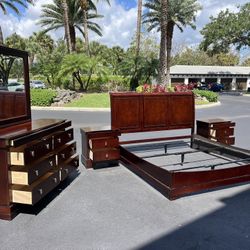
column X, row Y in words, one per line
column 14, row 106
column 136, row 112
column 35, row 155
column 133, row 112
column 217, row 130
column 28, row 171
column 174, row 184
column 100, row 146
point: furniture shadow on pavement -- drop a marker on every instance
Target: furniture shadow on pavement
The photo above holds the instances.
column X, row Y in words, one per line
column 225, row 228
column 37, row 208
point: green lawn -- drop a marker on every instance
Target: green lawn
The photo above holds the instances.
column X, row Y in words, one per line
column 96, row 100
column 101, row 100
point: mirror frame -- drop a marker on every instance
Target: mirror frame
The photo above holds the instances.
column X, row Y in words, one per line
column 27, row 116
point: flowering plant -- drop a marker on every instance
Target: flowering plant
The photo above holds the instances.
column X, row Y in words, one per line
column 147, row 88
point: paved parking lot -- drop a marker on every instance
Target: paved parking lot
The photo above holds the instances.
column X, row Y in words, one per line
column 114, row 209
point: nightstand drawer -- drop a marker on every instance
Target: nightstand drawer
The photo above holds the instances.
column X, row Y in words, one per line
column 104, row 155
column 221, row 132
column 228, row 140
column 27, row 175
column 35, row 192
column 67, row 151
column 63, row 137
column 98, row 143
column 69, row 166
column 22, row 156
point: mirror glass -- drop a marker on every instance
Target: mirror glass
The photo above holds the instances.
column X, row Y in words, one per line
column 13, row 99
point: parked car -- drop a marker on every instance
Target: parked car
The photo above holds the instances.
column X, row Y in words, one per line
column 15, row 86
column 36, row 84
column 216, row 87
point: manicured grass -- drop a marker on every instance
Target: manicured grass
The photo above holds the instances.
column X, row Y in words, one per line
column 96, row 100
column 200, row 102
column 101, row 100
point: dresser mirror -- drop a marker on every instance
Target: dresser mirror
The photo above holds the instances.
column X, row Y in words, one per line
column 14, row 87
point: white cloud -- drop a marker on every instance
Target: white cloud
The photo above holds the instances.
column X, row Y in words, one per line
column 118, row 24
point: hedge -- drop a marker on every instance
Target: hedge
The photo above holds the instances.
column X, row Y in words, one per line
column 211, row 96
column 42, row 97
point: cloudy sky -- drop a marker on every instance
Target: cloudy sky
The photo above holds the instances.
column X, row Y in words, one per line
column 119, row 22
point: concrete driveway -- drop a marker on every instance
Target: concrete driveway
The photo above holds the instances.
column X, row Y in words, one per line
column 114, row 209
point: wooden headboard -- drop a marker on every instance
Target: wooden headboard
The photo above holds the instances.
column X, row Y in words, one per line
column 141, row 112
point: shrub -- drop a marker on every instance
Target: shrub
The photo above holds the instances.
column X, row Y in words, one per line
column 211, row 96
column 42, row 97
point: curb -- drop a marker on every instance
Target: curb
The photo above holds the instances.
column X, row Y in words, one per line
column 207, row 105
column 104, row 109
column 69, row 109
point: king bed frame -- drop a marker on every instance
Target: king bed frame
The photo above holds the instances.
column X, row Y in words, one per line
column 144, row 112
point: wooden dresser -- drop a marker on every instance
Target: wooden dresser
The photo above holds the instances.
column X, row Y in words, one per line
column 35, row 157
column 100, row 147
column 217, row 130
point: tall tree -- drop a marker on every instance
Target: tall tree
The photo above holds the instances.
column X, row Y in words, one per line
column 52, row 18
column 85, row 5
column 138, row 29
column 13, row 5
column 66, row 25
column 181, row 13
column 226, row 30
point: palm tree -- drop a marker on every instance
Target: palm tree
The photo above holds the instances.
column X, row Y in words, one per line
column 6, row 5
column 138, row 29
column 66, row 25
column 85, row 4
column 52, row 18
column 181, row 13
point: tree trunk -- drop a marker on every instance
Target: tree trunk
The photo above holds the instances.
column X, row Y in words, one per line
column 84, row 6
column 163, row 61
column 72, row 37
column 170, row 30
column 66, row 25
column 1, row 36
column 138, row 30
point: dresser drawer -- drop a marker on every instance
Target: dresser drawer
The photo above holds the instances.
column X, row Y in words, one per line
column 36, row 191
column 25, row 155
column 66, row 152
column 63, row 137
column 68, row 166
column 98, row 143
column 104, row 155
column 27, row 175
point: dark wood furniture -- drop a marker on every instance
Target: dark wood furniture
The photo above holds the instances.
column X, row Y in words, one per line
column 100, row 147
column 217, row 130
column 35, row 155
column 151, row 112
column 136, row 112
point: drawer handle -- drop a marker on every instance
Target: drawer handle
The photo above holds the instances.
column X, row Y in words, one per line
column 63, row 156
column 47, row 146
column 40, row 191
column 106, row 143
column 76, row 163
column 66, row 170
column 55, row 180
column 107, row 156
column 73, row 149
column 32, row 153
column 36, row 172
column 59, row 140
column 69, row 135
column 51, row 163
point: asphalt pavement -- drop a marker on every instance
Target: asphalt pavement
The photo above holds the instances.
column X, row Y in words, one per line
column 112, row 208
